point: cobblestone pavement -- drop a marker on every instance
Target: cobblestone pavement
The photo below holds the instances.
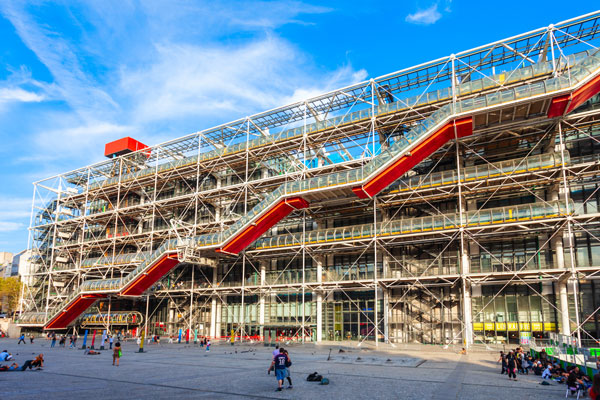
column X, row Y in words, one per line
column 179, row 371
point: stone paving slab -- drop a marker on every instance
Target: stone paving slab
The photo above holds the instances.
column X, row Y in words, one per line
column 178, row 371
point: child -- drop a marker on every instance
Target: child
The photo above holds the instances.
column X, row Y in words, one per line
column 117, row 353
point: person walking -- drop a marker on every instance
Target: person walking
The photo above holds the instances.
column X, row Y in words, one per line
column 31, row 337
column 288, row 364
column 503, row 360
column 74, row 340
column 511, row 364
column 279, row 362
column 275, row 353
column 110, row 341
column 53, row 342
column 21, row 339
column 117, row 353
column 63, row 339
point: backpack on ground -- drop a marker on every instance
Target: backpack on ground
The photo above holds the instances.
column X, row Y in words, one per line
column 314, row 377
column 324, row 381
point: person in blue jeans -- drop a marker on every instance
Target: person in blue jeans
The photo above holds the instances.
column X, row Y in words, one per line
column 279, row 363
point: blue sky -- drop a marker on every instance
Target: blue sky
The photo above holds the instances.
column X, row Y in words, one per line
column 75, row 75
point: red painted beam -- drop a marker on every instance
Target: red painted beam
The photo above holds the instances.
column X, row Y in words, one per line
column 145, row 281
column 279, row 211
column 74, row 310
column 464, row 127
column 558, row 106
column 584, row 93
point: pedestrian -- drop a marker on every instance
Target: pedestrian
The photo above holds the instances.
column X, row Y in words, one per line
column 207, row 345
column 31, row 338
column 511, row 364
column 278, row 363
column 288, row 364
column 53, row 342
column 71, row 341
column 117, row 353
column 110, row 341
column 21, row 339
column 74, row 340
column 275, row 353
column 503, row 360
column 62, row 341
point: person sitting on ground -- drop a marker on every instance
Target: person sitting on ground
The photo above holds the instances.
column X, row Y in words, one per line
column 594, row 391
column 90, row 352
column 559, row 374
column 547, row 373
column 538, row 369
column 38, row 361
column 5, row 356
column 463, row 351
column 13, row 367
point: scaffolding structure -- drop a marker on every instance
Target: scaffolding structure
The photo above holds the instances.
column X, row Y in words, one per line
column 451, row 202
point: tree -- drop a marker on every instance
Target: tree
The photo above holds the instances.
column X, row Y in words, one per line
column 10, row 292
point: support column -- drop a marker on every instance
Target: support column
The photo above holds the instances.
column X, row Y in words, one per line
column 213, row 317
column 565, row 325
column 558, row 258
column 319, row 261
column 465, row 263
column 219, row 316
column 263, row 294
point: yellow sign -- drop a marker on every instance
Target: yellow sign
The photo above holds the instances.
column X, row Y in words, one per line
column 549, row 326
column 489, row 326
column 513, row 326
column 501, row 326
column 524, row 326
column 536, row 326
column 478, row 326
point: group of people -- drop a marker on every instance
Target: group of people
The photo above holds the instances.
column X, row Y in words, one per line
column 281, row 364
column 36, row 363
column 520, row 362
column 22, row 339
column 515, row 361
column 63, row 339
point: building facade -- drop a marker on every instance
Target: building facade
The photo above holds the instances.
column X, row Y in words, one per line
column 451, row 202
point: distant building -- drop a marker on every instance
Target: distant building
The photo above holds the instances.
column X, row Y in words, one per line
column 21, row 266
column 6, row 259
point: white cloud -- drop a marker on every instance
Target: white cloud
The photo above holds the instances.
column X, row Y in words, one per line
column 82, row 140
column 155, row 72
column 20, row 95
column 61, row 58
column 6, row 226
column 425, row 17
column 226, row 81
column 14, row 207
column 14, row 211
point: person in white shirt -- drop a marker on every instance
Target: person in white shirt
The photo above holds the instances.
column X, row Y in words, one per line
column 5, row 356
column 547, row 374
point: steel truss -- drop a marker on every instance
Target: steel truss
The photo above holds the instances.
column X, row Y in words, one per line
column 99, row 221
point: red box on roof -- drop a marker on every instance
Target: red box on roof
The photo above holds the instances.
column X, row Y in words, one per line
column 123, row 146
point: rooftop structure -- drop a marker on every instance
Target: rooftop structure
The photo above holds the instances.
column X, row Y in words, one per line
column 454, row 201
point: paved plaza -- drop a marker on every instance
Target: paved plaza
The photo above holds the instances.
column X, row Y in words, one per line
column 179, row 371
